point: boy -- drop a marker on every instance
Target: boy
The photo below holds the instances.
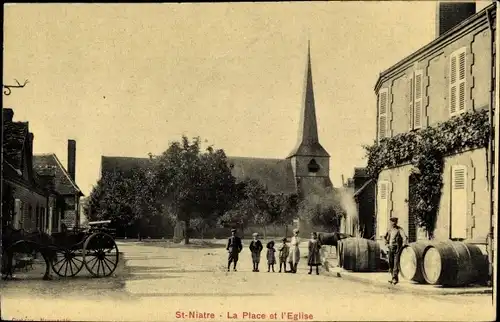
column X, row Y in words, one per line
column 284, row 251
column 256, row 248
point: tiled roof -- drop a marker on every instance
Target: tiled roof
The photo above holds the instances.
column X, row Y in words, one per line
column 15, row 134
column 110, row 164
column 275, row 174
column 46, row 165
column 360, row 172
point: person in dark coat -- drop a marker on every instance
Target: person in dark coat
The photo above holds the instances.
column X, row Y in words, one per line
column 395, row 239
column 234, row 248
column 256, row 248
column 314, row 257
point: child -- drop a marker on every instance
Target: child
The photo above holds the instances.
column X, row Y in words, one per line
column 271, row 258
column 255, row 249
column 314, row 258
column 284, row 251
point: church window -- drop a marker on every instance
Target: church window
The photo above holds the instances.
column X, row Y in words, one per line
column 313, row 166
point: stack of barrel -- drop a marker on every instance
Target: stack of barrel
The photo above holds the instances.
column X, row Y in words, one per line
column 446, row 263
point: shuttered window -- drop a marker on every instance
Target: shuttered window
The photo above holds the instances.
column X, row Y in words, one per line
column 382, row 207
column 415, row 99
column 458, row 201
column 458, row 78
column 383, row 113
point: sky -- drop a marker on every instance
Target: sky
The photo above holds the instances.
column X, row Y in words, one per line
column 127, row 79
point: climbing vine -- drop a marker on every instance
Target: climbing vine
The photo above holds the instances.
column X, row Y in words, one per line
column 425, row 149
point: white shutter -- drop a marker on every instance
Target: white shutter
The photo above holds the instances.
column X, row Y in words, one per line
column 410, row 99
column 418, row 101
column 382, row 113
column 462, row 75
column 18, row 214
column 453, row 84
column 383, row 196
column 458, row 201
column 458, row 78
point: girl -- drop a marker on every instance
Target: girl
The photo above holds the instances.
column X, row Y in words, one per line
column 284, row 251
column 294, row 256
column 271, row 258
column 314, row 258
column 255, row 249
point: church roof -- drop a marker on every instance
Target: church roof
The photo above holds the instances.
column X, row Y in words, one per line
column 308, row 141
column 276, row 174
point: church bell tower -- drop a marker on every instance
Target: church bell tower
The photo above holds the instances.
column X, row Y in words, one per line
column 310, row 161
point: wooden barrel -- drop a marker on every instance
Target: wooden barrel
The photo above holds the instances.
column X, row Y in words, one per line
column 411, row 261
column 360, row 254
column 453, row 263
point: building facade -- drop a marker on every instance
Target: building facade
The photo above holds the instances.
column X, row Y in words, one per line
column 451, row 76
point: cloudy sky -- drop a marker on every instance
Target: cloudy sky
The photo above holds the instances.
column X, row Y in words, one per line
column 125, row 80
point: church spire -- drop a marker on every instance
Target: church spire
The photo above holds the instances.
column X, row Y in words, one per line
column 308, row 144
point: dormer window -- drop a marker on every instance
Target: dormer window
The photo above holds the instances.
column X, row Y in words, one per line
column 313, row 166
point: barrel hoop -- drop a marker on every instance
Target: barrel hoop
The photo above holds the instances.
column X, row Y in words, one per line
column 426, row 249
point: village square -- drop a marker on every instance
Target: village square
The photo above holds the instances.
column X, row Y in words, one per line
column 134, row 194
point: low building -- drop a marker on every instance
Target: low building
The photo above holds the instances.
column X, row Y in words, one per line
column 62, row 181
column 30, row 201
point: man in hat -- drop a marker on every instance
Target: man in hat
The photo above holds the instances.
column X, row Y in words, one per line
column 395, row 239
column 234, row 248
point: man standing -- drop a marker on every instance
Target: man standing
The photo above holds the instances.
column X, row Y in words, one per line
column 234, row 248
column 395, row 238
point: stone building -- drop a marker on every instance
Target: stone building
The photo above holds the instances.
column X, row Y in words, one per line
column 304, row 171
column 450, row 76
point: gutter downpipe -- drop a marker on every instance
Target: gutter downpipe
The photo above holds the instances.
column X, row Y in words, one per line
column 492, row 129
column 497, row 159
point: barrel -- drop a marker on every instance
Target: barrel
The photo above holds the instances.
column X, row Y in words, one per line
column 454, row 263
column 360, row 254
column 411, row 261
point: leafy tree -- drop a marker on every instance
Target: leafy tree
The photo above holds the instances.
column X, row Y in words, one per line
column 125, row 198
column 282, row 208
column 323, row 209
column 193, row 184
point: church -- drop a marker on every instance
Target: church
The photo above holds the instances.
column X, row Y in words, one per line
column 304, row 171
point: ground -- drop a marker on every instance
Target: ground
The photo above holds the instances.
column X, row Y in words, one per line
column 161, row 282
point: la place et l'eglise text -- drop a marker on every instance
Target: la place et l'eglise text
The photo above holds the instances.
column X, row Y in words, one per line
column 290, row 316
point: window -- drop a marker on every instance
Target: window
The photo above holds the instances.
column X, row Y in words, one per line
column 458, row 201
column 382, row 207
column 383, row 107
column 457, row 82
column 415, row 99
column 313, row 166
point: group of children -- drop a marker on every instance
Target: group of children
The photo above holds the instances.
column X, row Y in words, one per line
column 284, row 253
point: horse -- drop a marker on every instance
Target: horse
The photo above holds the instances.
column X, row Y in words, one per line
column 17, row 241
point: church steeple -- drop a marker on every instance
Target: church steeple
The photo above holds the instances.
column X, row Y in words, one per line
column 308, row 143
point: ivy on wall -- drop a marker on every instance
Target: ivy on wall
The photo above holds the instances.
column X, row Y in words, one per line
column 426, row 149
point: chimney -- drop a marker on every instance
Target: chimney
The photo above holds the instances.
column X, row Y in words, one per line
column 451, row 13
column 71, row 158
column 8, row 114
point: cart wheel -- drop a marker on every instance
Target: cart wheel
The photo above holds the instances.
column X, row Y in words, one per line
column 67, row 262
column 100, row 254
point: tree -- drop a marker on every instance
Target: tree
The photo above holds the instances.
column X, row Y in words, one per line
column 282, row 208
column 193, row 184
column 322, row 209
column 125, row 198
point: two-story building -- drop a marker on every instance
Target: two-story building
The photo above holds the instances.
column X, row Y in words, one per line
column 452, row 75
